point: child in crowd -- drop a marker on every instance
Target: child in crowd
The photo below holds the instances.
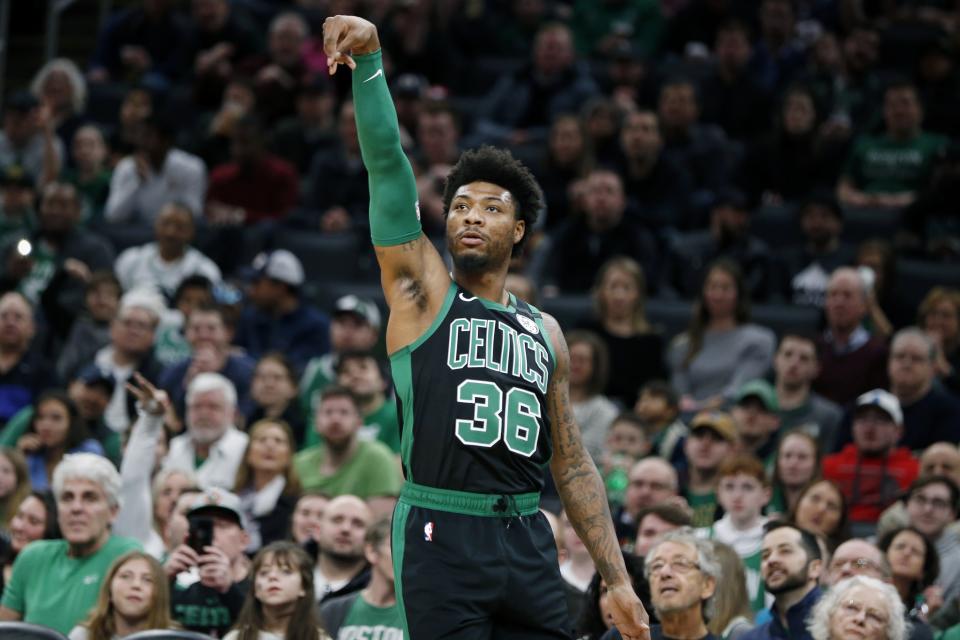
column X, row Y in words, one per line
column 626, row 444
column 134, row 597
column 743, row 492
column 280, row 606
column 659, row 408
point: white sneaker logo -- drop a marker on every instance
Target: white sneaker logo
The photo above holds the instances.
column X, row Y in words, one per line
column 466, row 299
column 378, row 73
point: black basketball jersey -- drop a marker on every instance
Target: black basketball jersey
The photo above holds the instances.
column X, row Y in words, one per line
column 472, row 396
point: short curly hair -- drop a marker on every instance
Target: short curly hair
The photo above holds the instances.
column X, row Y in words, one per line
column 499, row 167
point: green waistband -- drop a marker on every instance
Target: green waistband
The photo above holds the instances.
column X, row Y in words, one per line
column 470, row 504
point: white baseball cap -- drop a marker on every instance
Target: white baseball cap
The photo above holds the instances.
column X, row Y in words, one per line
column 883, row 400
column 280, row 265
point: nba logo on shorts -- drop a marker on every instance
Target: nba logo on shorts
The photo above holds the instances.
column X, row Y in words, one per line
column 428, row 532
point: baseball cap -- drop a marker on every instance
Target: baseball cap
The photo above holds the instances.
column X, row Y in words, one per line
column 144, row 298
column 883, row 400
column 280, row 265
column 217, row 502
column 15, row 176
column 94, row 376
column 366, row 309
column 717, row 421
column 762, row 390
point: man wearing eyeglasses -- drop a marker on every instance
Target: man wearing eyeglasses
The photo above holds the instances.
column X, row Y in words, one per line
column 857, row 557
column 790, row 565
column 931, row 506
column 683, row 573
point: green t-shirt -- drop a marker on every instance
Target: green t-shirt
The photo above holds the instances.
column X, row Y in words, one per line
column 371, row 472
column 318, row 375
column 49, row 587
column 367, row 622
column 383, row 425
column 880, row 164
column 704, row 507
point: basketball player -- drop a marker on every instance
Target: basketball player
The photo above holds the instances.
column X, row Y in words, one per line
column 481, row 381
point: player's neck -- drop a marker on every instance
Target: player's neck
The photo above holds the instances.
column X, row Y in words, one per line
column 484, row 284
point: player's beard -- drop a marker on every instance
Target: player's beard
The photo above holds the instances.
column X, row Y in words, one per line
column 474, row 262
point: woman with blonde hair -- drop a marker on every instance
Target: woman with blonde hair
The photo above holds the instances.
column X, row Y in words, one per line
column 620, row 320
column 280, row 602
column 267, row 483
column 14, row 483
column 134, row 597
column 732, row 616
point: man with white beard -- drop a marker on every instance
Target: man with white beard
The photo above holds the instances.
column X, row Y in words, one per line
column 212, row 447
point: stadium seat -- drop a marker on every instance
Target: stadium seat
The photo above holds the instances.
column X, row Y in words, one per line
column 325, row 258
column 569, row 310
column 786, row 317
column 27, row 631
column 670, row 317
column 103, row 102
column 864, row 223
column 125, row 235
column 165, row 634
column 776, row 225
column 915, row 278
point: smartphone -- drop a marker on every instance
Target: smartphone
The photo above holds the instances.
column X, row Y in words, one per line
column 200, row 534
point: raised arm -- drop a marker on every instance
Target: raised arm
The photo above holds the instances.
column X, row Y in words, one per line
column 413, row 275
column 585, row 499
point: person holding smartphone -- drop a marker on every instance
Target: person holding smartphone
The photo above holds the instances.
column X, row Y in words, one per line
column 209, row 572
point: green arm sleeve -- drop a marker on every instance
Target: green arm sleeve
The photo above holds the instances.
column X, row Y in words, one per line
column 394, row 210
column 16, row 427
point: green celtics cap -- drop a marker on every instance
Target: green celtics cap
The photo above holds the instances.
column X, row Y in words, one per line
column 762, row 390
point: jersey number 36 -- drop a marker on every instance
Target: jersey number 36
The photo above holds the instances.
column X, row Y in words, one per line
column 514, row 417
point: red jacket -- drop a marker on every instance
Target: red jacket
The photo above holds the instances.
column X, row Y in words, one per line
column 268, row 192
column 870, row 484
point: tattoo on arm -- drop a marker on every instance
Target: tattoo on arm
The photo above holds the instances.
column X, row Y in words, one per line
column 578, row 481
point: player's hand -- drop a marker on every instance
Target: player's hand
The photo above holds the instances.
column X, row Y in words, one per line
column 345, row 37
column 628, row 614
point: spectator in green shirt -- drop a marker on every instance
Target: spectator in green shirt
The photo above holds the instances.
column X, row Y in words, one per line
column 56, row 582
column 361, row 373
column 344, row 463
column 889, row 169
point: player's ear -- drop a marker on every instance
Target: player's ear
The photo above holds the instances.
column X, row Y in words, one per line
column 519, row 229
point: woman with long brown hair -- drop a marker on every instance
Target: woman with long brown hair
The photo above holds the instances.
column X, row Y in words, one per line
column 267, row 484
column 620, row 320
column 134, row 597
column 280, row 602
column 721, row 349
column 14, row 483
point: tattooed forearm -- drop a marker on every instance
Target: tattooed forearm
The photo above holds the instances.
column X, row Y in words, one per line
column 578, row 482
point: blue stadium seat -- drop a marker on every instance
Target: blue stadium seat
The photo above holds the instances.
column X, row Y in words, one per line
column 27, row 631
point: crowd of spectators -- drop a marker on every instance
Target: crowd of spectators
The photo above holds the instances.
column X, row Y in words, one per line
column 733, row 191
